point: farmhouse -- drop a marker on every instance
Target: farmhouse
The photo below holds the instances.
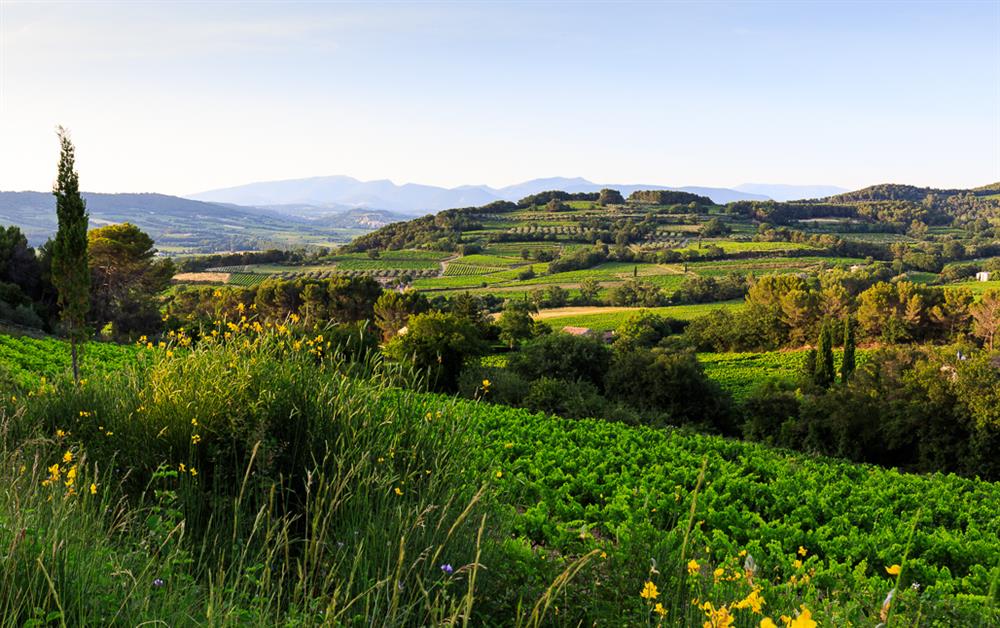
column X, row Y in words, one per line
column 606, row 336
column 983, row 275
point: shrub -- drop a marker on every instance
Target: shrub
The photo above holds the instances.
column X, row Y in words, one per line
column 565, row 357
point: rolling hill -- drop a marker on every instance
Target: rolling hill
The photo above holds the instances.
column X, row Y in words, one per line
column 179, row 224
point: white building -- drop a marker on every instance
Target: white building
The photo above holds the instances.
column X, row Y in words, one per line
column 983, row 275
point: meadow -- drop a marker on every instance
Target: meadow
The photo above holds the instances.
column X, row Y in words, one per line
column 609, row 318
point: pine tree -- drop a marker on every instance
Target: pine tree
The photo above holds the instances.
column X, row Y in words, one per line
column 70, row 269
column 825, row 373
column 848, row 365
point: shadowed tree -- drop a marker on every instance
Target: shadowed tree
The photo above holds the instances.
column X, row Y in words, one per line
column 849, row 363
column 825, row 372
column 126, row 278
column 70, row 270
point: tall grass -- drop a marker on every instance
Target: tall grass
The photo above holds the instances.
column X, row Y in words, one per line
column 243, row 482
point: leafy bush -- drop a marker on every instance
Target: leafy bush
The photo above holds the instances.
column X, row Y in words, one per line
column 563, row 356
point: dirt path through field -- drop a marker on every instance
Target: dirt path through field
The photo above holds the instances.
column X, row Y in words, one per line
column 561, row 312
column 444, row 263
column 201, row 277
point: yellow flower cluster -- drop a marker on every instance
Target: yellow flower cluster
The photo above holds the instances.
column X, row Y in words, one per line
column 65, row 475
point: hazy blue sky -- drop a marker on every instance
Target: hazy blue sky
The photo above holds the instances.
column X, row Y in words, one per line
column 182, row 97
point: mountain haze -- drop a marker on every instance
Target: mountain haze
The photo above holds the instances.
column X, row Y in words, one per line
column 318, row 194
column 784, row 192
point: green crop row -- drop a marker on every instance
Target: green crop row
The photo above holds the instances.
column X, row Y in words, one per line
column 24, row 360
column 575, row 482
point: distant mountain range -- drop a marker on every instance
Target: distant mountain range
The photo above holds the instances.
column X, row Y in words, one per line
column 782, row 192
column 320, row 195
column 182, row 224
column 320, row 210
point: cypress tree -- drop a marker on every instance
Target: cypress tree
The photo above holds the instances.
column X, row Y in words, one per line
column 70, row 269
column 848, row 365
column 825, row 373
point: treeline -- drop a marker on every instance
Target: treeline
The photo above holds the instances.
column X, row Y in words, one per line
column 923, row 409
column 893, row 205
column 243, row 258
column 788, row 310
column 125, row 278
column 315, row 301
column 668, row 197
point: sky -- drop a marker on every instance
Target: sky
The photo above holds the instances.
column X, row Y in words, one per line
column 182, row 97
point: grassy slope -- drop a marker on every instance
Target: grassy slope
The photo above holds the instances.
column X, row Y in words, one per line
column 606, row 318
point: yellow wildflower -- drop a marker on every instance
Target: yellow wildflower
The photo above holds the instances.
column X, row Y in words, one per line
column 659, row 610
column 68, row 456
column 194, row 472
column 649, row 591
column 398, row 491
column 718, row 573
column 60, row 434
column 797, row 564
column 195, row 439
column 499, row 474
column 717, row 617
column 754, row 601
column 182, row 468
column 486, row 383
column 802, row 551
column 93, row 489
column 804, row 620
column 693, row 567
column 767, row 622
column 893, row 570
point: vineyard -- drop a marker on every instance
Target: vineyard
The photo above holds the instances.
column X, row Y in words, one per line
column 739, row 373
column 24, row 360
column 586, row 483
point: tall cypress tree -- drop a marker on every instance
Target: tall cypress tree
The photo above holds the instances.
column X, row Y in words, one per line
column 848, row 365
column 70, row 269
column 825, row 373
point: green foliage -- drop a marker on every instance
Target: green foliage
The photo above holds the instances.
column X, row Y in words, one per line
column 126, row 279
column 670, row 383
column 28, row 360
column 592, row 483
column 565, row 357
column 70, row 272
column 610, row 197
column 667, row 197
column 437, row 344
column 516, row 323
column 849, row 362
column 715, row 227
column 824, row 372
